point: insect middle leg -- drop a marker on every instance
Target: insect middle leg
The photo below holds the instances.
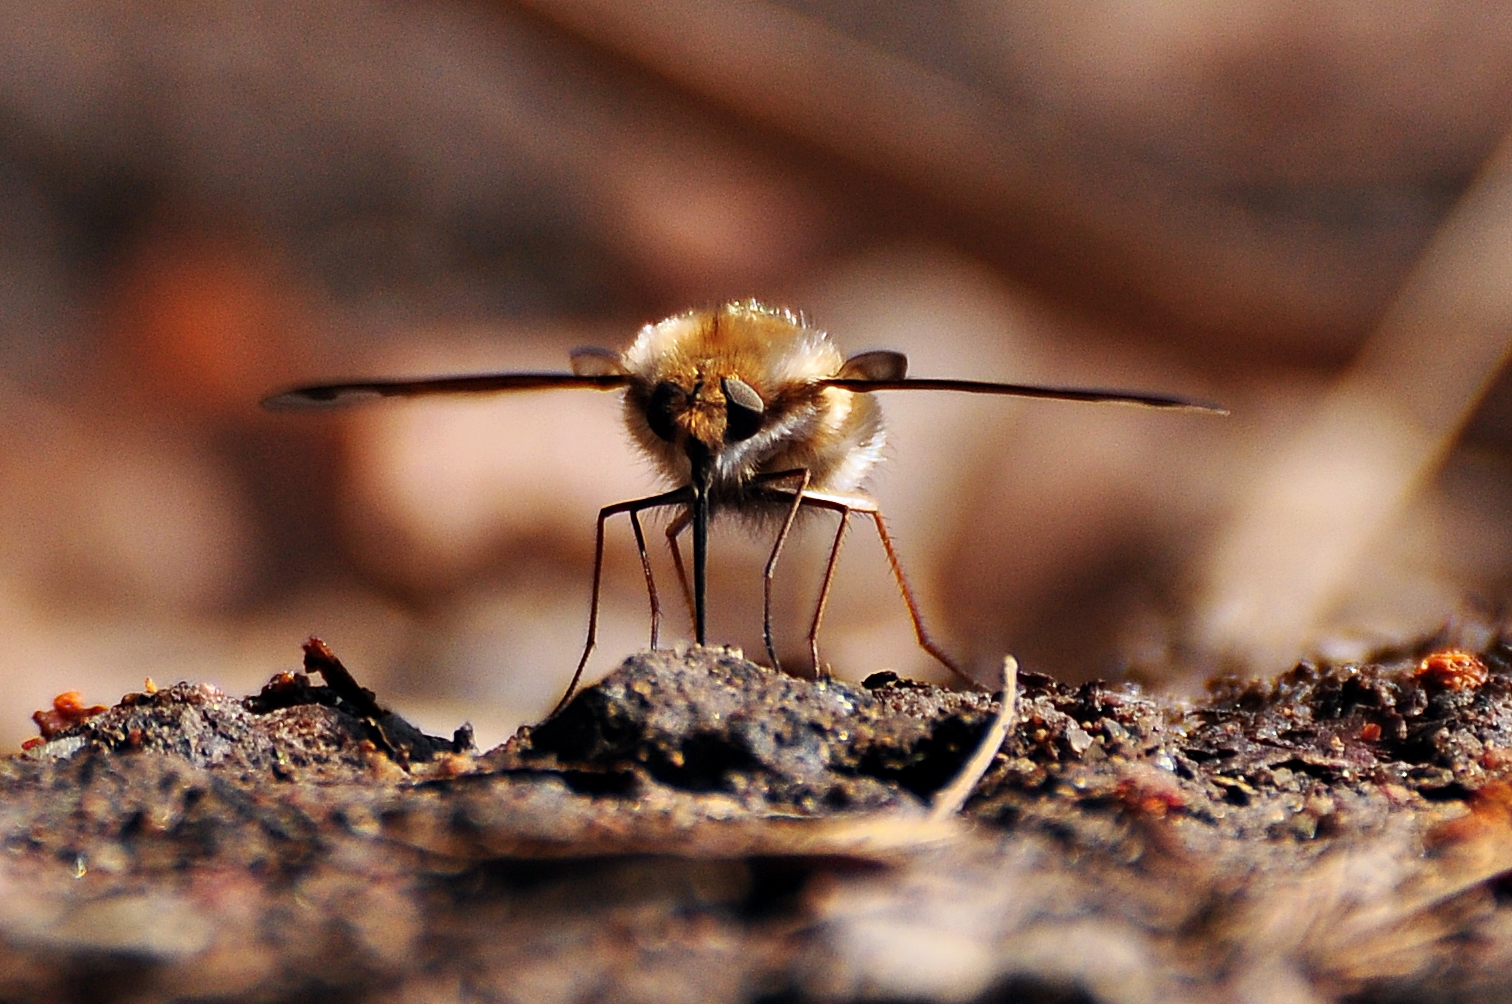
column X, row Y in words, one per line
column 678, row 496
column 800, row 477
column 845, row 505
column 824, row 588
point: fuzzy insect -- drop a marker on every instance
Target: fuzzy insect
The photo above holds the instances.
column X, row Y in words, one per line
column 746, row 409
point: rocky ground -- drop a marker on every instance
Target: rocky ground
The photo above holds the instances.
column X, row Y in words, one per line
column 699, row 828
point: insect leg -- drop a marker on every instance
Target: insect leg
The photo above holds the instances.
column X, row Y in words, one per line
column 925, row 642
column 674, row 529
column 834, row 502
column 801, row 476
column 640, row 544
column 868, row 507
column 677, row 496
column 824, row 589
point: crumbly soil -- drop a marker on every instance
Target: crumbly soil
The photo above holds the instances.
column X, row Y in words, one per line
column 699, row 828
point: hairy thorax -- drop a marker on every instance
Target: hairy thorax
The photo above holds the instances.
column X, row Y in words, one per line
column 743, row 383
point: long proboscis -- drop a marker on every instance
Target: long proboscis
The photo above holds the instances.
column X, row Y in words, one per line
column 334, row 395
column 1142, row 399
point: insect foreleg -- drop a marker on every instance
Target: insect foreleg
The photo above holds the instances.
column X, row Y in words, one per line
column 677, row 526
column 640, row 544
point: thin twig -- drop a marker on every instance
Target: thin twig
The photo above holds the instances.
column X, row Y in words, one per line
column 949, row 799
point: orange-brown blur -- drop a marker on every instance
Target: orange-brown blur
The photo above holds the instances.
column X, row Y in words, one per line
column 1303, row 210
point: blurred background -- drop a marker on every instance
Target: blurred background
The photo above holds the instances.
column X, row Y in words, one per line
column 1300, row 209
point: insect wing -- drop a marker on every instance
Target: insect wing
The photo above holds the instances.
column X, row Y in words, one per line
column 1092, row 394
column 334, row 395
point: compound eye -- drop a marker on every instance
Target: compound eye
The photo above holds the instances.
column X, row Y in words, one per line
column 743, row 409
column 665, row 397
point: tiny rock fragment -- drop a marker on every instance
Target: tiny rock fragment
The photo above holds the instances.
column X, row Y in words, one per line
column 1452, row 669
column 1486, row 827
column 67, row 711
column 1495, row 758
column 1148, row 791
column 452, row 765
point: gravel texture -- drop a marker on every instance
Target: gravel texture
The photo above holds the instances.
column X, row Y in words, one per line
column 696, row 827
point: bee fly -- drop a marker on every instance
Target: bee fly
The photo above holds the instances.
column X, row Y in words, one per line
column 746, row 409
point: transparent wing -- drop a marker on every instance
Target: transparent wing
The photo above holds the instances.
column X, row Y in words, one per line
column 1094, row 394
column 334, row 395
